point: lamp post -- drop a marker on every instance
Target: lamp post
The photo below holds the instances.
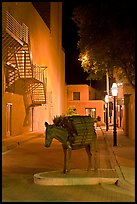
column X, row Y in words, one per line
column 114, row 93
column 106, row 100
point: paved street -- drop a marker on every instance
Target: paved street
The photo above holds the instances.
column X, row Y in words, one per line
column 20, row 163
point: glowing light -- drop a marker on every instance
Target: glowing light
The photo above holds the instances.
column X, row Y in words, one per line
column 106, row 98
column 114, row 89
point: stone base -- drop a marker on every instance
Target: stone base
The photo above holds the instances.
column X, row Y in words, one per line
column 76, row 177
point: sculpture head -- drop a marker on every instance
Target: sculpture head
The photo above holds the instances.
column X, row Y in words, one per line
column 48, row 134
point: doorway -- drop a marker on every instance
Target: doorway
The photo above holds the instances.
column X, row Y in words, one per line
column 8, row 119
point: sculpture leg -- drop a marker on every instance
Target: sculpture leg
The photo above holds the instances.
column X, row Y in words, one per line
column 94, row 150
column 95, row 155
column 69, row 158
column 65, row 159
column 89, row 156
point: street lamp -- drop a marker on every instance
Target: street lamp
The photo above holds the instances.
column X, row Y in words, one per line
column 106, row 105
column 114, row 93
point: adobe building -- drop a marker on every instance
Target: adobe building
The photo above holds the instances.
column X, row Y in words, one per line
column 33, row 66
column 126, row 106
column 129, row 110
column 86, row 100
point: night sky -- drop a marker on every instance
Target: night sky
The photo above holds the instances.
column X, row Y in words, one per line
column 74, row 72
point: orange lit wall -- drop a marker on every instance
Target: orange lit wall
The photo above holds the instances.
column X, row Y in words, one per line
column 81, row 105
column 128, row 122
column 46, row 50
column 128, row 89
column 84, row 101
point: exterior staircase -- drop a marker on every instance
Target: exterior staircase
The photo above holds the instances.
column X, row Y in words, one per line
column 22, row 77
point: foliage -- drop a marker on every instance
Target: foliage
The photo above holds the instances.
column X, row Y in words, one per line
column 71, row 111
column 106, row 38
column 66, row 122
column 61, row 121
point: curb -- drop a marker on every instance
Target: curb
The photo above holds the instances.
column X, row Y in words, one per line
column 76, row 177
column 17, row 141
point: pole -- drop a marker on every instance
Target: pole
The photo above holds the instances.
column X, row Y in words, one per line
column 106, row 116
column 120, row 115
column 115, row 131
column 32, row 118
column 107, row 83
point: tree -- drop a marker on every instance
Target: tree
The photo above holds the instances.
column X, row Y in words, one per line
column 106, row 31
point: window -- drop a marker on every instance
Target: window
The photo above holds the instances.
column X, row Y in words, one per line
column 76, row 95
column 91, row 112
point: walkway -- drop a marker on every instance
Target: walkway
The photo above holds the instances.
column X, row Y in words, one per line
column 27, row 156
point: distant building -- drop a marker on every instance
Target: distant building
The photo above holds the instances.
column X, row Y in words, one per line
column 33, row 66
column 126, row 106
column 86, row 100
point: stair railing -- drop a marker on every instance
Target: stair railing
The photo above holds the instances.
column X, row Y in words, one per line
column 38, row 72
column 15, row 29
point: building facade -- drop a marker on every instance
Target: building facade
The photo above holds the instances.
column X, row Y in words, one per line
column 129, row 110
column 86, row 100
column 126, row 106
column 33, row 66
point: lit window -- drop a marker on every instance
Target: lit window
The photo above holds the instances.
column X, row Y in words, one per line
column 91, row 112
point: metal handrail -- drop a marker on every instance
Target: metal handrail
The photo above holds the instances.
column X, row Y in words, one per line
column 19, row 31
column 38, row 72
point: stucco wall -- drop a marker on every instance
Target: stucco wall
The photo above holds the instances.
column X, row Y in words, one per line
column 128, row 122
column 131, row 132
column 86, row 92
column 46, row 50
column 80, row 107
column 83, row 89
column 18, row 113
column 84, row 101
column 129, row 110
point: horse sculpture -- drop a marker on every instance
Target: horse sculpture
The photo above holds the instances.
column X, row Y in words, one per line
column 65, row 137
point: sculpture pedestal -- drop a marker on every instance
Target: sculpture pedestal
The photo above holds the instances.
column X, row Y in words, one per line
column 76, row 177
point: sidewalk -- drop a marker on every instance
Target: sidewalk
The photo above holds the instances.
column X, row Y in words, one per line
column 14, row 141
column 25, row 155
column 123, row 156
